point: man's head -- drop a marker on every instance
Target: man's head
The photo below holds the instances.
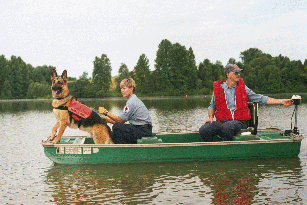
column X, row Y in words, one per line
column 232, row 67
column 232, row 72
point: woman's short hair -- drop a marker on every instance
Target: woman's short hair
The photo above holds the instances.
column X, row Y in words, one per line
column 128, row 82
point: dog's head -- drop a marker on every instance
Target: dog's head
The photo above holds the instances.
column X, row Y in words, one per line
column 59, row 84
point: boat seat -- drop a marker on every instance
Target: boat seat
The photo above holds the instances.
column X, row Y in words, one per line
column 79, row 140
column 149, row 140
column 253, row 122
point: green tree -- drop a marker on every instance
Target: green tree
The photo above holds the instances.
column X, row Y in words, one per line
column 192, row 71
column 102, row 75
column 6, row 92
column 260, row 70
column 42, row 74
column 84, row 76
column 292, row 77
column 77, row 88
column 38, row 90
column 178, row 68
column 142, row 74
column 162, row 67
column 247, row 57
column 250, row 54
column 3, row 70
column 16, row 78
column 25, row 73
column 232, row 61
column 204, row 73
column 90, row 91
column 218, row 71
column 182, row 69
column 274, row 84
column 208, row 73
column 123, row 73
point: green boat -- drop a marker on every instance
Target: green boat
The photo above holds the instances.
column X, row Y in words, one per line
column 172, row 147
column 251, row 143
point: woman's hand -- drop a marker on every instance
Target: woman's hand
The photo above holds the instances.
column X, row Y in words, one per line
column 102, row 110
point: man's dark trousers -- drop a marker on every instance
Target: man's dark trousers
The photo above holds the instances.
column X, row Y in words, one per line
column 225, row 129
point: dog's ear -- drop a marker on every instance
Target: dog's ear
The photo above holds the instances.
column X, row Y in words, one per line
column 54, row 74
column 64, row 76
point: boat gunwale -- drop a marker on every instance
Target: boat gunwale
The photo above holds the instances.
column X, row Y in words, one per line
column 189, row 144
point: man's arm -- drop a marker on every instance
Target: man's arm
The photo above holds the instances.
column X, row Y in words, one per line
column 211, row 116
column 211, row 110
column 258, row 98
column 265, row 99
column 273, row 101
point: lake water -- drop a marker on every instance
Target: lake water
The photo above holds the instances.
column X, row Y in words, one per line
column 28, row 177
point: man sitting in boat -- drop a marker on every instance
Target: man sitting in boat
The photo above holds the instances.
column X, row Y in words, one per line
column 229, row 106
column 135, row 112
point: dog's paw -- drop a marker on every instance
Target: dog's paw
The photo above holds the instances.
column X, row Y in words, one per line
column 47, row 142
column 50, row 138
column 55, row 141
column 52, row 142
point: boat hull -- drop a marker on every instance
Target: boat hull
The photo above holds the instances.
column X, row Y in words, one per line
column 83, row 153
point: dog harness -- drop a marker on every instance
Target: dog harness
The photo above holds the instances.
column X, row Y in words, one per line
column 82, row 114
column 79, row 109
column 222, row 112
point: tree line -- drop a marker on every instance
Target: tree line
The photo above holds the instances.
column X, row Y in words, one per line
column 175, row 73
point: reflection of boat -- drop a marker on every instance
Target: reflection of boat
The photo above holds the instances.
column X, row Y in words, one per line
column 237, row 181
column 172, row 147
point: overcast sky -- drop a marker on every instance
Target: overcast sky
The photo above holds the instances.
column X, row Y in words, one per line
column 69, row 34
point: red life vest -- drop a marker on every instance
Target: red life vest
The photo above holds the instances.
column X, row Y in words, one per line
column 79, row 109
column 222, row 112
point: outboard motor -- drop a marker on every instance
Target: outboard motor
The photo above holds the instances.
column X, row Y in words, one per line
column 296, row 99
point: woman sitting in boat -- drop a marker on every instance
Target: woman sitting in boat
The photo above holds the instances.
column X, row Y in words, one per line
column 135, row 112
column 229, row 106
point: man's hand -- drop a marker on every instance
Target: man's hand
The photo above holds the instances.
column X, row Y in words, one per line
column 209, row 120
column 211, row 116
column 287, row 102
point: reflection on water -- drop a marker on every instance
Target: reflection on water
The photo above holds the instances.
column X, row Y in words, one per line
column 237, row 182
column 28, row 177
column 15, row 106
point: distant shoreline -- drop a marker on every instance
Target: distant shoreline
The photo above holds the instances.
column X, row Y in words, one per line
column 145, row 97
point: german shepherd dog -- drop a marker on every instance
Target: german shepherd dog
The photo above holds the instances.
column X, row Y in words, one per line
column 74, row 114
